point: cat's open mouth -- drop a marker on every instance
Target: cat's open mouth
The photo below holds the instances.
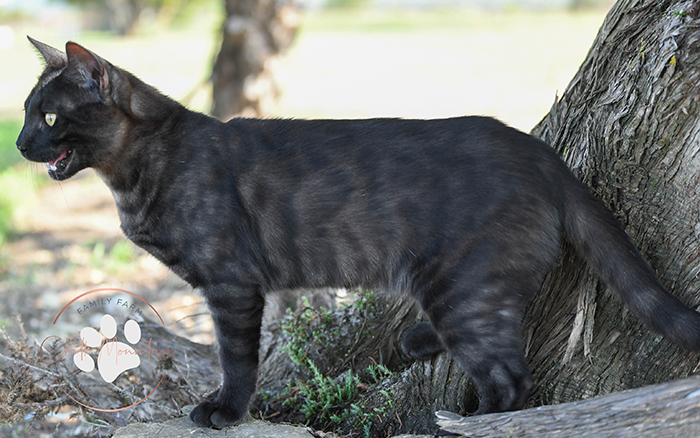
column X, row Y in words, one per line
column 59, row 165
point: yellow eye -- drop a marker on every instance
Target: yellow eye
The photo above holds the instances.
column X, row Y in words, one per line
column 50, row 118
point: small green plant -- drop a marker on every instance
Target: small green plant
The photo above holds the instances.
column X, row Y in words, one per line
column 378, row 372
column 363, row 419
column 365, row 299
column 300, row 333
column 323, row 399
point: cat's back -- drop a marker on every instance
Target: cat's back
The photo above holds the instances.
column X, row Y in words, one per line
column 462, row 161
column 470, row 140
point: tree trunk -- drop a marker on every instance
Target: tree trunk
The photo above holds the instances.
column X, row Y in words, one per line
column 254, row 33
column 628, row 126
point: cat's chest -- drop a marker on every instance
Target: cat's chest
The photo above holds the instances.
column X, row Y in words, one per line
column 163, row 247
column 145, row 236
column 194, row 243
column 144, row 226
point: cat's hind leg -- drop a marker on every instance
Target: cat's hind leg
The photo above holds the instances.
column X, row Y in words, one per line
column 479, row 321
column 421, row 342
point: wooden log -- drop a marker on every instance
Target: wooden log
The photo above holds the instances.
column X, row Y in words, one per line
column 670, row 409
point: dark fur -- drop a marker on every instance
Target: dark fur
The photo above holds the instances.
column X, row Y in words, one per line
column 465, row 214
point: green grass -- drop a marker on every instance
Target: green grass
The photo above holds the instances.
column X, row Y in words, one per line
column 9, row 155
column 14, row 187
column 119, row 258
column 14, row 190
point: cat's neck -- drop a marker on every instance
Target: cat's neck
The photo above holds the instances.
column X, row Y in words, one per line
column 155, row 153
column 141, row 101
column 147, row 120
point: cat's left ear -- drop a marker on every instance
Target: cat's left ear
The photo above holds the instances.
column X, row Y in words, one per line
column 85, row 67
column 54, row 58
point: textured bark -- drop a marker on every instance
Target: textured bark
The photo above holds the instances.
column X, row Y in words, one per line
column 627, row 125
column 406, row 403
column 666, row 410
column 254, row 33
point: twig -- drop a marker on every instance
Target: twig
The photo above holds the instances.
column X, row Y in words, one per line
column 39, row 405
column 25, row 364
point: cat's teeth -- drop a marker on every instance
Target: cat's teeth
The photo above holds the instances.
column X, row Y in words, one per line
column 50, row 166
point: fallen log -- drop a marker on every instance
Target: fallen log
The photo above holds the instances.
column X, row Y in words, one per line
column 669, row 409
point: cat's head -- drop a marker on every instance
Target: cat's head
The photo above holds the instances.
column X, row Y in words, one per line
column 78, row 113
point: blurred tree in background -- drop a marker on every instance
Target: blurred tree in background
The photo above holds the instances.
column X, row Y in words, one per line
column 255, row 32
column 122, row 17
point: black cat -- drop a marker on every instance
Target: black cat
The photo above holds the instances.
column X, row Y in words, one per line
column 464, row 214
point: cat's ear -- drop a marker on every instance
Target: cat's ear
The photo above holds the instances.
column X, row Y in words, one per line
column 85, row 67
column 53, row 57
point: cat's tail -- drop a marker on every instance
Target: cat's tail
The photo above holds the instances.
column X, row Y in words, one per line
column 601, row 240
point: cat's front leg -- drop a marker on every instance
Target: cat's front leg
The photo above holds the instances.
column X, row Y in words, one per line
column 237, row 314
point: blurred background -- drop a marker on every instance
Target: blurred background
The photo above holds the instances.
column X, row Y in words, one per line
column 340, row 58
column 270, row 58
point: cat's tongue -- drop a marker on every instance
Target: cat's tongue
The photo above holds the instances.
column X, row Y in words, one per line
column 63, row 155
column 53, row 165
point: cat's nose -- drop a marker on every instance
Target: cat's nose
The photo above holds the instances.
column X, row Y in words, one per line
column 21, row 143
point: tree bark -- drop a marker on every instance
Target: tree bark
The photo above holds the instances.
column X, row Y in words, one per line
column 667, row 410
column 627, row 125
column 254, row 33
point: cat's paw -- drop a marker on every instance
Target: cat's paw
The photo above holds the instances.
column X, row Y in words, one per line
column 421, row 342
column 213, row 413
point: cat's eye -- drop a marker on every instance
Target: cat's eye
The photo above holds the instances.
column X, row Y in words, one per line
column 50, row 118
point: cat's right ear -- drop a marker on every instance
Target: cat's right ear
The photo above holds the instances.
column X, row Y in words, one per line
column 53, row 57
